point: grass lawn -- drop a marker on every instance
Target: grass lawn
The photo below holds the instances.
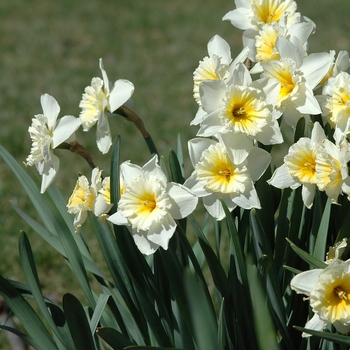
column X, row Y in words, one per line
column 54, row 47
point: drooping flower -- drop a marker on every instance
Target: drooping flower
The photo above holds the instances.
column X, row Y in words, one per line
column 149, row 205
column 299, row 168
column 100, row 98
column 225, row 173
column 47, row 133
column 86, row 197
column 240, row 106
column 328, row 290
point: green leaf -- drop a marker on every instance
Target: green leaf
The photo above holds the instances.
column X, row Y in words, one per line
column 32, row 278
column 336, row 338
column 28, row 317
column 321, row 237
column 78, row 323
column 299, row 129
column 114, row 178
column 148, row 348
column 114, row 338
column 27, row 339
column 100, row 305
column 175, row 168
column 312, row 261
column 202, row 316
column 219, row 276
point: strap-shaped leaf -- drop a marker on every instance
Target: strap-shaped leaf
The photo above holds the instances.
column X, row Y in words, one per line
column 78, row 323
column 28, row 317
column 114, row 338
column 32, row 278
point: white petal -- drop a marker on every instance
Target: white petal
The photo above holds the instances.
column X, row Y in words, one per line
column 160, row 233
column 218, row 46
column 121, row 92
column 281, row 178
column 342, row 328
column 144, row 245
column 103, row 135
column 212, row 93
column 200, row 115
column 105, row 77
column 196, row 147
column 304, row 282
column 308, row 193
column 314, row 323
column 239, row 18
column 129, row 171
column 49, row 173
column 315, row 67
column 65, row 127
column 51, row 109
column 118, row 219
column 196, row 187
column 247, row 200
column 239, row 145
column 183, row 201
column 258, row 161
column 214, row 207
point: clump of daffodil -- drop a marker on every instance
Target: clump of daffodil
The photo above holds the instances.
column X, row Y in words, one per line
column 149, row 205
column 225, row 173
column 86, row 197
column 47, row 133
column 328, row 291
column 100, row 98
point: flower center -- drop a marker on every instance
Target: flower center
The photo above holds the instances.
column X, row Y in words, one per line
column 340, row 293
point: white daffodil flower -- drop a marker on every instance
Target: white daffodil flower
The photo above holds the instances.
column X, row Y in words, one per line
column 262, row 45
column 299, row 166
column 86, row 197
column 100, row 98
column 47, row 133
column 328, row 291
column 298, row 76
column 217, row 66
column 253, row 14
column 335, row 104
column 240, row 106
column 225, row 173
column 332, row 169
column 149, row 204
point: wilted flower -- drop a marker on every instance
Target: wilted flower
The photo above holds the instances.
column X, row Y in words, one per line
column 86, row 197
column 225, row 174
column 149, row 204
column 98, row 99
column 47, row 133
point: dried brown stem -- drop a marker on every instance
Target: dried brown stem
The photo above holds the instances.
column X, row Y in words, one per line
column 77, row 148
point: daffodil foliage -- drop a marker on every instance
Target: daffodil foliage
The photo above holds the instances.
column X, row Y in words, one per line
column 244, row 248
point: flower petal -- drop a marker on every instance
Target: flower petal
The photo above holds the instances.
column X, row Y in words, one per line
column 49, row 173
column 121, row 92
column 65, row 127
column 51, row 109
column 304, row 282
column 183, row 201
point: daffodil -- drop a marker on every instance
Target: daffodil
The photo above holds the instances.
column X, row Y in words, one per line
column 86, row 197
column 217, row 66
column 299, row 167
column 253, row 14
column 298, row 76
column 336, row 104
column 225, row 173
column 332, row 169
column 328, row 291
column 47, row 133
column 149, row 205
column 240, row 106
column 100, row 98
column 262, row 45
